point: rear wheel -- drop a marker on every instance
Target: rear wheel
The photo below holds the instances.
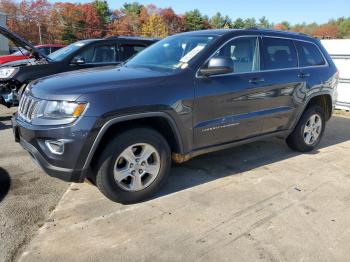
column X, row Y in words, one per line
column 133, row 166
column 309, row 131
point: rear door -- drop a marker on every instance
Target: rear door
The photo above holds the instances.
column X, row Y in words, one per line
column 127, row 50
column 314, row 70
column 282, row 83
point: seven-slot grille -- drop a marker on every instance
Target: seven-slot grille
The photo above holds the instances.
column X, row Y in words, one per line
column 27, row 107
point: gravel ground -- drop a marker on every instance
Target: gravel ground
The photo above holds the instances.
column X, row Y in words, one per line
column 27, row 196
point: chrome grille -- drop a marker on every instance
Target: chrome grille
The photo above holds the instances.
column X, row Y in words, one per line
column 27, row 107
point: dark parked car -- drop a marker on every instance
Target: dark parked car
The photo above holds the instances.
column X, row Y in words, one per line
column 83, row 54
column 186, row 95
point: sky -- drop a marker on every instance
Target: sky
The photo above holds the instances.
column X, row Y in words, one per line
column 294, row 11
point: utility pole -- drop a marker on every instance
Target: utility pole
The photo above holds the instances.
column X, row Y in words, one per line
column 39, row 27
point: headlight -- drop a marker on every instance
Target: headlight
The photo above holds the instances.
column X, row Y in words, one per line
column 44, row 112
column 8, row 72
column 60, row 109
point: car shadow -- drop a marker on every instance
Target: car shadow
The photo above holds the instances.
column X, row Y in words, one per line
column 237, row 160
column 5, row 183
column 5, row 122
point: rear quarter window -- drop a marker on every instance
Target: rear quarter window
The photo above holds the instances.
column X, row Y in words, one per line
column 309, row 54
column 279, row 53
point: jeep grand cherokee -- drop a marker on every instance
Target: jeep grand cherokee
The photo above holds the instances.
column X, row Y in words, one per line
column 189, row 94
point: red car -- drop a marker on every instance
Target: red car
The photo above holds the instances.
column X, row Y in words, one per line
column 47, row 49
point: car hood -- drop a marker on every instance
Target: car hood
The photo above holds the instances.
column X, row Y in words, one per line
column 21, row 42
column 23, row 62
column 71, row 85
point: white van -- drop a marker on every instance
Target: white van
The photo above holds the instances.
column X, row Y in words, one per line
column 339, row 50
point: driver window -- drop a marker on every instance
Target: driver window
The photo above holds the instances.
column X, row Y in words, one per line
column 244, row 53
column 98, row 54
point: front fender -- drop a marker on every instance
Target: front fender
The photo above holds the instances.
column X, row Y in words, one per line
column 120, row 119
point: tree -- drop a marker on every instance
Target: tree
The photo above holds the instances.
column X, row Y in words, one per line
column 103, row 10
column 264, row 23
column 327, row 31
column 154, row 27
column 173, row 22
column 344, row 27
column 250, row 23
column 238, row 23
column 217, row 21
column 132, row 9
column 280, row 27
column 193, row 20
column 286, row 25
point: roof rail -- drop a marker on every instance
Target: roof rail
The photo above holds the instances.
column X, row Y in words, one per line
column 133, row 38
column 277, row 30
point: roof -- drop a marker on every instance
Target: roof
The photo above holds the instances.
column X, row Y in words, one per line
column 220, row 32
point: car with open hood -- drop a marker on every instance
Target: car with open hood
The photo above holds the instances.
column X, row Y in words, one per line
column 16, row 75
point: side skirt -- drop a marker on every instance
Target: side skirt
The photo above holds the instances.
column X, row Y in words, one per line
column 180, row 158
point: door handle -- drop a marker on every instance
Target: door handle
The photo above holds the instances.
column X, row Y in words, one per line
column 303, row 75
column 256, row 80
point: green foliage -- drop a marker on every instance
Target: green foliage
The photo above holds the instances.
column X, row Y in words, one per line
column 250, row 23
column 264, row 23
column 238, row 24
column 194, row 20
column 217, row 21
column 344, row 28
column 133, row 9
column 103, row 10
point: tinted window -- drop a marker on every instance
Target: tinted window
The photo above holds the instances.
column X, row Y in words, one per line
column 279, row 53
column 46, row 50
column 62, row 53
column 98, row 54
column 244, row 53
column 53, row 49
column 309, row 54
column 128, row 50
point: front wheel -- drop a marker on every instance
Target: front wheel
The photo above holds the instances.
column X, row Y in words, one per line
column 309, row 130
column 133, row 166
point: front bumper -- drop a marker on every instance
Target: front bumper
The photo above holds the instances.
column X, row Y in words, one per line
column 69, row 165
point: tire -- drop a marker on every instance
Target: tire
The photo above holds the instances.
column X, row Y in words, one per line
column 299, row 139
column 127, row 148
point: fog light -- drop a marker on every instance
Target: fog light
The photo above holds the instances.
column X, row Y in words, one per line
column 55, row 146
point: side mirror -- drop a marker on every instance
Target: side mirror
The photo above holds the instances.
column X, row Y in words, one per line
column 218, row 66
column 78, row 61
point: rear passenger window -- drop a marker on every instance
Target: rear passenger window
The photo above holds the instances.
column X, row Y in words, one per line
column 309, row 54
column 128, row 50
column 279, row 53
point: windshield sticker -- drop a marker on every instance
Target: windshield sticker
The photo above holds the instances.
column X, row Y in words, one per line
column 192, row 54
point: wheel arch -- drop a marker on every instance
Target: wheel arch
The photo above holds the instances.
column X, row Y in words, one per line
column 324, row 100
column 160, row 121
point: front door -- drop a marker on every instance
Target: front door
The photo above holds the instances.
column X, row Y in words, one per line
column 96, row 56
column 227, row 107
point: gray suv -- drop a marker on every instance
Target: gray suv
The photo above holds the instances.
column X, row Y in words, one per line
column 186, row 95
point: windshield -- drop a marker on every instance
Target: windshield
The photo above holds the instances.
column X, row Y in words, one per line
column 62, row 53
column 21, row 52
column 171, row 53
